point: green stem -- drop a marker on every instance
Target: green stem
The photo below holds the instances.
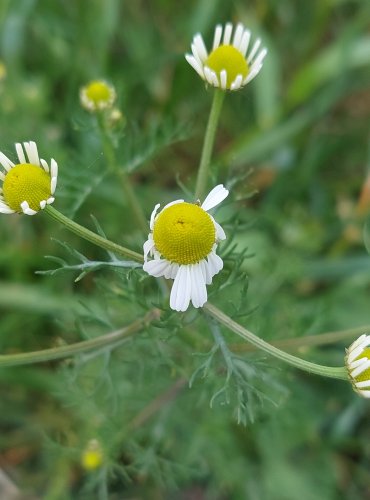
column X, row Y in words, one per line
column 91, row 236
column 110, row 155
column 325, row 371
column 111, row 339
column 209, row 138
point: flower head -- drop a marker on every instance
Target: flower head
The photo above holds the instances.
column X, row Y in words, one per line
column 92, row 456
column 228, row 66
column 183, row 240
column 29, row 185
column 97, row 95
column 358, row 365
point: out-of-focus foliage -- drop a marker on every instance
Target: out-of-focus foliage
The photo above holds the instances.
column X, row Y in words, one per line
column 297, row 138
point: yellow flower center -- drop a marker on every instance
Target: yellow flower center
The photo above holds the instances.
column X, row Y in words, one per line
column 229, row 58
column 366, row 374
column 26, row 182
column 98, row 92
column 184, row 233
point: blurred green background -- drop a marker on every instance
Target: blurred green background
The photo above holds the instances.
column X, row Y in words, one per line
column 298, row 139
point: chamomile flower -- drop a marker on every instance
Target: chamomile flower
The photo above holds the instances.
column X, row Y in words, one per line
column 229, row 65
column 97, row 95
column 182, row 242
column 29, row 185
column 358, row 365
column 92, row 456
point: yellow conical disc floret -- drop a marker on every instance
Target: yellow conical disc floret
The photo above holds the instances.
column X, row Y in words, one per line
column 26, row 182
column 184, row 233
column 98, row 92
column 227, row 57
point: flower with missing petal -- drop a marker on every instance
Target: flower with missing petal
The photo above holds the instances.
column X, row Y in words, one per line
column 97, row 95
column 358, row 365
column 29, row 185
column 182, row 242
column 229, row 66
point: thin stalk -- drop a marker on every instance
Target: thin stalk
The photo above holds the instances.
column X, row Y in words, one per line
column 110, row 156
column 209, row 138
column 339, row 372
column 109, row 340
column 94, row 238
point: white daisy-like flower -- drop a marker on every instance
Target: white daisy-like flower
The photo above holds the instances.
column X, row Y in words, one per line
column 229, row 66
column 182, row 242
column 97, row 95
column 27, row 186
column 358, row 365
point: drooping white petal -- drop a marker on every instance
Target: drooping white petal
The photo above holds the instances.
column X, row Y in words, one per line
column 365, row 394
column 220, row 233
column 148, row 246
column 207, row 275
column 171, row 271
column 50, row 200
column 42, row 204
column 156, row 268
column 214, row 197
column 5, row 209
column 181, row 289
column 172, row 203
column 198, row 286
column 215, row 263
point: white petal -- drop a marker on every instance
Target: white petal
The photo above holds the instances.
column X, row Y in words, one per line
column 357, row 342
column 26, row 209
column 365, row 394
column 198, row 286
column 237, row 83
column 148, row 246
column 2, row 176
column 365, row 383
column 172, row 203
column 152, row 217
column 245, row 42
column 44, row 165
column 5, row 162
column 255, row 47
column 238, row 35
column 217, row 37
column 201, row 48
column 5, row 209
column 215, row 263
column 50, row 200
column 207, row 275
column 216, row 196
column 32, row 153
column 209, row 75
column 220, row 233
column 360, row 369
column 227, row 33
column 357, row 351
column 156, row 268
column 223, row 79
column 171, row 271
column 195, row 64
column 181, row 290
column 20, row 153
column 42, row 204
